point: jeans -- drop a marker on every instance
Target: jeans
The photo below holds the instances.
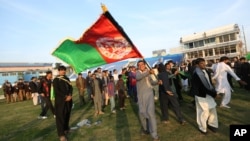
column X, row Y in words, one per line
column 46, row 104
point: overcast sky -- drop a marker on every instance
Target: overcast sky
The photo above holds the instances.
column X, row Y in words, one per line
column 31, row 29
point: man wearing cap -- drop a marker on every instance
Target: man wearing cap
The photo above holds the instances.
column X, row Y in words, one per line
column 63, row 102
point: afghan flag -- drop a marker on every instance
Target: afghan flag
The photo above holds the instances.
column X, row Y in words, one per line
column 104, row 42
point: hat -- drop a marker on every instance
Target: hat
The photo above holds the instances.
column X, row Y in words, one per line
column 79, row 73
column 61, row 68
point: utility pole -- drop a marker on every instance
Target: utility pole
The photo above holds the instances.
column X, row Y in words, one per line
column 244, row 40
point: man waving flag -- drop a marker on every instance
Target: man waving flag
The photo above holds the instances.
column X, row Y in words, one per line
column 104, row 42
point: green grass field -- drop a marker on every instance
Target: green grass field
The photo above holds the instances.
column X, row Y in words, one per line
column 19, row 122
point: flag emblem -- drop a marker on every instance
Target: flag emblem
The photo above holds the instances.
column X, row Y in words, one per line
column 113, row 48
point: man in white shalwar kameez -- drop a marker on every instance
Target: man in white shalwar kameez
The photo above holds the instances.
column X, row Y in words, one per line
column 222, row 85
column 146, row 99
column 202, row 88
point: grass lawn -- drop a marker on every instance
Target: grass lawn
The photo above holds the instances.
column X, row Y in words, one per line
column 19, row 122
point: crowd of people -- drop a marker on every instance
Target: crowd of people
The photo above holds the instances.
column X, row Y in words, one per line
column 143, row 85
column 20, row 91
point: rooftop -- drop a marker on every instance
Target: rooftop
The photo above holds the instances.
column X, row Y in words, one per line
column 25, row 64
column 210, row 33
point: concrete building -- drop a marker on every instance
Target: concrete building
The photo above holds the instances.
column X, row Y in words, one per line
column 212, row 44
column 14, row 71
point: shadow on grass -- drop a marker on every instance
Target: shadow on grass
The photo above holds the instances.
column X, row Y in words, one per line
column 88, row 107
column 122, row 126
column 19, row 131
column 135, row 109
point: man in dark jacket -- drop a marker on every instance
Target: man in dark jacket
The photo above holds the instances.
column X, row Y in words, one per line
column 44, row 90
column 245, row 72
column 63, row 102
column 34, row 90
column 167, row 93
column 204, row 93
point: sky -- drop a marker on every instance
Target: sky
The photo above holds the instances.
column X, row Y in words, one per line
column 31, row 29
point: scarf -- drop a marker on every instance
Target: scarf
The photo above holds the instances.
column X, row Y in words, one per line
column 204, row 80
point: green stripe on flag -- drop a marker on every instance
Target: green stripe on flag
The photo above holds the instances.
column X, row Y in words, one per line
column 79, row 56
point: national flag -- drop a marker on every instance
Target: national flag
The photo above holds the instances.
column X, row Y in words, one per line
column 248, row 56
column 104, row 42
column 52, row 93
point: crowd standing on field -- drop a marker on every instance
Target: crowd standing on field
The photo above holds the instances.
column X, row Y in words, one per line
column 21, row 90
column 142, row 85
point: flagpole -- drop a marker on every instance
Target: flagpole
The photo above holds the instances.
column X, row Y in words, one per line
column 104, row 8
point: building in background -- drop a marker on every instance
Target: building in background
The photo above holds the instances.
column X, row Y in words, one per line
column 14, row 71
column 158, row 53
column 212, row 44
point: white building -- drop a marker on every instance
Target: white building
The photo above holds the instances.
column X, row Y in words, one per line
column 212, row 44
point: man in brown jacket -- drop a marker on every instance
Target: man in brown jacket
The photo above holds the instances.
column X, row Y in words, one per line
column 81, row 86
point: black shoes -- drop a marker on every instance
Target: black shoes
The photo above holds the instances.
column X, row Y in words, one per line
column 213, row 129
column 183, row 122
column 202, row 132
column 144, row 132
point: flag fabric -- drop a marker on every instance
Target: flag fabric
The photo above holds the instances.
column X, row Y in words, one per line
column 248, row 56
column 52, row 93
column 104, row 42
column 184, row 74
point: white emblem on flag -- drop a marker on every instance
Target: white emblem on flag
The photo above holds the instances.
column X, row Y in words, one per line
column 113, row 48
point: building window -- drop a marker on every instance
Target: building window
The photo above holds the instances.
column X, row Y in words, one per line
column 222, row 51
column 186, row 46
column 191, row 45
column 199, row 43
column 210, row 52
column 233, row 49
column 221, row 39
column 227, row 50
column 196, row 54
column 200, row 54
column 20, row 74
column 12, row 74
column 191, row 55
column 232, row 37
column 5, row 74
column 217, row 51
column 210, row 40
column 226, row 38
column 196, row 44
